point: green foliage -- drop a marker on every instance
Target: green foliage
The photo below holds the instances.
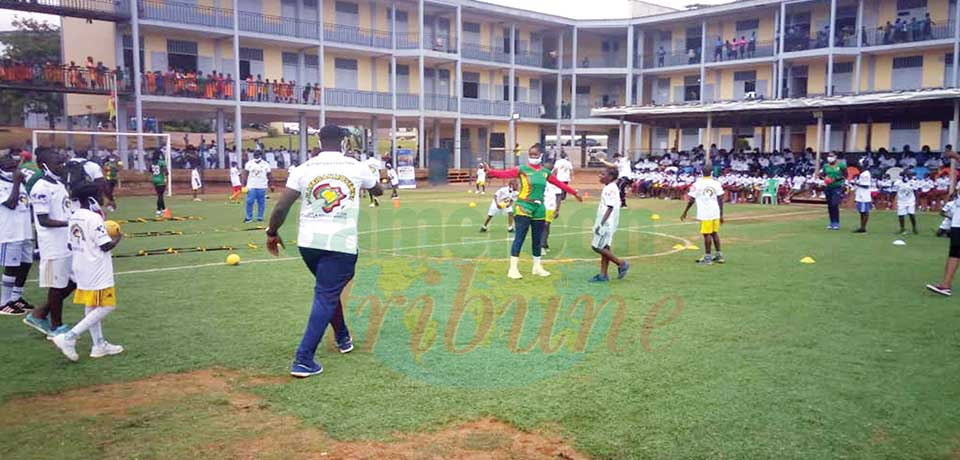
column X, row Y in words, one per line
column 32, row 41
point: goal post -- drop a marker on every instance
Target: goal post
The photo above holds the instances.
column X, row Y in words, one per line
column 162, row 139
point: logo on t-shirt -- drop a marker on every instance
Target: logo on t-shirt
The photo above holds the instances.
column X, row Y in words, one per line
column 328, row 192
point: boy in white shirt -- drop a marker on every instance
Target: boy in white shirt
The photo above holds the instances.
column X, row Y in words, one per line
column 864, row 198
column 235, row 183
column 563, row 169
column 906, row 201
column 502, row 203
column 605, row 226
column 195, row 182
column 92, row 265
column 481, row 180
column 394, row 181
column 16, row 237
column 707, row 193
column 375, row 165
column 947, row 214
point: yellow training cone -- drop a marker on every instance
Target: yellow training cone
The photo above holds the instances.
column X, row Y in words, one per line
column 472, row 204
column 251, row 246
column 679, row 246
column 808, row 260
column 692, row 247
column 655, row 217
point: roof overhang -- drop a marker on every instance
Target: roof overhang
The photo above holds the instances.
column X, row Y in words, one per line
column 923, row 105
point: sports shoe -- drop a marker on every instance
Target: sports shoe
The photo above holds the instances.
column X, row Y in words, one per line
column 63, row 329
column 10, row 309
column 622, row 270
column 860, row 230
column 598, row 278
column 67, row 346
column 510, row 230
column 538, row 270
column 41, row 325
column 719, row 259
column 159, row 213
column 946, row 292
column 345, row 346
column 105, row 349
column 483, row 229
column 302, row 371
column 705, row 260
column 23, row 304
column 514, row 274
column 248, row 221
column 372, row 205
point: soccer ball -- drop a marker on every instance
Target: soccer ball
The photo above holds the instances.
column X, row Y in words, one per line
column 655, row 217
column 472, row 204
column 113, row 228
column 243, row 190
column 233, row 259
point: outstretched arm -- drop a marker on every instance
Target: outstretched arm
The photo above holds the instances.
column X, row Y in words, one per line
column 511, row 173
column 566, row 188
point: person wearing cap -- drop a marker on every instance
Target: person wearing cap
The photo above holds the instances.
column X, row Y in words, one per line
column 256, row 175
column 329, row 185
column 833, row 175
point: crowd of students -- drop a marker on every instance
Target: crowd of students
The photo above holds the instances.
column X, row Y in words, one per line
column 89, row 75
column 216, row 85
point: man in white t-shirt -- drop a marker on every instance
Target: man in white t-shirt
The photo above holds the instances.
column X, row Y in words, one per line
column 257, row 177
column 235, row 183
column 394, row 180
column 605, row 226
column 196, row 183
column 16, row 236
column 707, row 194
column 863, row 197
column 329, row 185
column 481, row 180
column 906, row 191
column 375, row 165
column 563, row 169
column 624, row 179
column 52, row 208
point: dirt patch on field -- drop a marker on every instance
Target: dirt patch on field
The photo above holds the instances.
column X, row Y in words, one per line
column 210, row 414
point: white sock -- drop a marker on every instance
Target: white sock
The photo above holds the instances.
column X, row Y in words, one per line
column 7, row 290
column 536, row 261
column 16, row 293
column 96, row 330
column 93, row 316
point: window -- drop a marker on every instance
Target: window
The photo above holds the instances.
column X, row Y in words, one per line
column 182, row 55
column 745, row 75
column 290, row 58
column 128, row 53
column 748, row 25
column 345, row 73
column 471, row 85
column 471, row 27
column 348, row 8
column 312, row 60
column 905, row 124
column 747, row 78
column 903, row 5
column 251, row 54
column 843, row 67
column 691, row 88
column 907, row 62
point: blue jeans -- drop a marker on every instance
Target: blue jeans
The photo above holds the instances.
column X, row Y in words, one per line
column 258, row 195
column 523, row 224
column 332, row 270
column 834, row 196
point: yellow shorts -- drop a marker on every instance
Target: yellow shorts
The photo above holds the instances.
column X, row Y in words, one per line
column 709, row 226
column 481, row 182
column 102, row 298
column 550, row 213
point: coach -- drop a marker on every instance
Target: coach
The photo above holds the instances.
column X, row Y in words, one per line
column 329, row 184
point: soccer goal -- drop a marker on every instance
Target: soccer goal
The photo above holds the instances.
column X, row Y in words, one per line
column 137, row 152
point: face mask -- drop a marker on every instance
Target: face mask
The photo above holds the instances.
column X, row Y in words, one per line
column 534, row 161
column 831, row 159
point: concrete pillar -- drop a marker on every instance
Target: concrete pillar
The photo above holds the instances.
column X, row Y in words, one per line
column 421, row 135
column 559, row 101
column 625, row 136
column 374, row 137
column 321, row 67
column 435, row 132
column 137, row 75
column 304, row 136
column 221, row 128
column 512, row 93
column 237, row 117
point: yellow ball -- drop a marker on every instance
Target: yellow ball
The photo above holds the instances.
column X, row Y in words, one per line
column 233, row 259
column 655, row 217
column 472, row 204
column 243, row 190
column 113, row 228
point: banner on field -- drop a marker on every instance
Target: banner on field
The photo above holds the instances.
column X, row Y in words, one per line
column 405, row 169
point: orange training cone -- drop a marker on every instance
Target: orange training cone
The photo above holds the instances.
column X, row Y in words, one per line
column 396, row 204
column 167, row 214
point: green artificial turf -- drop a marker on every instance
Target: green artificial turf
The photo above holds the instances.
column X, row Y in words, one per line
column 763, row 357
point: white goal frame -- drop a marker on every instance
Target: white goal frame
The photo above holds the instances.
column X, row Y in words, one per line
column 140, row 149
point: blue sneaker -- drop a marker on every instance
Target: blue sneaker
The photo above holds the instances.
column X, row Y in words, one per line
column 345, row 346
column 302, row 371
column 41, row 325
column 598, row 278
column 622, row 271
column 63, row 329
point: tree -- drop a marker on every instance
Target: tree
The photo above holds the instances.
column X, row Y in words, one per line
column 32, row 41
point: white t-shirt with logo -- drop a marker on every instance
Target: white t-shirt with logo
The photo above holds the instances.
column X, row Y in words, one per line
column 235, row 177
column 623, row 167
column 862, row 193
column 49, row 196
column 705, row 192
column 905, row 192
column 375, row 165
column 257, row 171
column 564, row 169
column 92, row 267
column 14, row 223
column 609, row 197
column 504, row 197
column 329, row 185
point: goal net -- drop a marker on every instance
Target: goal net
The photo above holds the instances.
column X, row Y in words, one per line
column 132, row 149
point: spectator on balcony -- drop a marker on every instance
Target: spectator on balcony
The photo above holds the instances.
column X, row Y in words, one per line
column 228, row 87
column 692, row 56
column 927, row 27
column 661, row 54
column 742, row 47
column 731, row 49
column 916, row 28
column 718, row 50
column 585, row 62
column 888, row 33
column 752, row 44
column 307, row 91
column 902, row 30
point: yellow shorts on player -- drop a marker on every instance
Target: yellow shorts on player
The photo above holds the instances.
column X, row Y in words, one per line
column 481, row 182
column 709, row 226
column 550, row 214
column 101, row 298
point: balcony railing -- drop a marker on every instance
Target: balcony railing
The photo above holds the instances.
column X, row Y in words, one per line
column 803, row 41
column 170, row 84
column 529, row 59
column 357, row 98
column 752, row 49
column 440, row 103
column 408, row 41
column 911, row 33
column 94, row 9
column 485, row 107
column 480, row 52
column 528, row 109
column 408, row 101
column 186, row 13
column 279, row 93
column 61, row 79
column 353, row 35
column 665, row 58
column 277, row 25
column 604, row 62
column 440, row 43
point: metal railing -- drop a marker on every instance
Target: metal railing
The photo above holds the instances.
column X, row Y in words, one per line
column 440, row 103
column 439, row 43
column 278, row 25
column 604, row 62
column 408, row 101
column 671, row 58
column 480, row 52
column 170, row 84
column 186, row 13
column 408, row 41
column 528, row 109
column 354, row 35
column 529, row 59
column 914, row 32
column 357, row 98
column 61, row 78
column 803, row 41
column 279, row 93
column 99, row 9
column 485, row 107
column 750, row 50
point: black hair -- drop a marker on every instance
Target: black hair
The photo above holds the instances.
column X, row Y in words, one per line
column 44, row 153
column 614, row 173
column 84, row 192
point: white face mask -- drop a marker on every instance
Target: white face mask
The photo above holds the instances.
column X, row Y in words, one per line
column 534, row 161
column 831, row 159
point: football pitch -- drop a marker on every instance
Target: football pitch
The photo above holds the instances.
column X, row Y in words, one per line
column 759, row 358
